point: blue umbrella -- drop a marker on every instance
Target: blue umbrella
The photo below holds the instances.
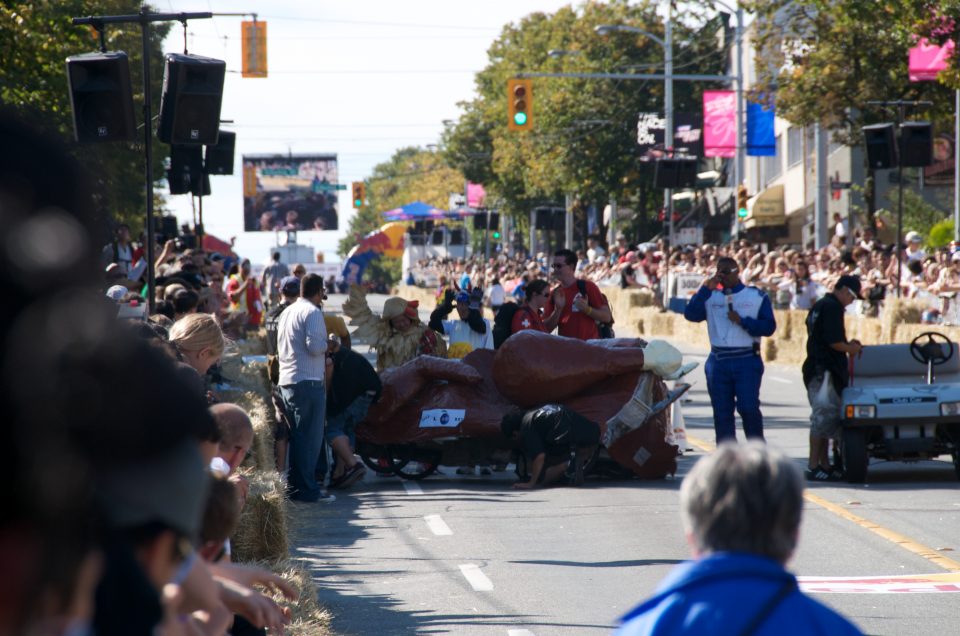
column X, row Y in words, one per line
column 416, row 211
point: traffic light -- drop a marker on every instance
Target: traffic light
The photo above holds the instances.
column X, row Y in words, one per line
column 519, row 104
column 359, row 193
column 496, row 235
column 741, row 201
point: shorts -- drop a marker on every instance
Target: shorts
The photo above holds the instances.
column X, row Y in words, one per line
column 825, row 405
column 345, row 422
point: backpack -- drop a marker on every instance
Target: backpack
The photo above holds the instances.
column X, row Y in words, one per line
column 503, row 323
column 605, row 329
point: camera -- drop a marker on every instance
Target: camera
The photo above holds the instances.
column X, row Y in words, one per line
column 179, row 244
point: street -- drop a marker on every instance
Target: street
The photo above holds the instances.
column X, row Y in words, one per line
column 468, row 555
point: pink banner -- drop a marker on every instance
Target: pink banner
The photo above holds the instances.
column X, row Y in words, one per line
column 719, row 124
column 927, row 60
column 475, row 195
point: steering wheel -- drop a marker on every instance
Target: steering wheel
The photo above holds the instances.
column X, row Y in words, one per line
column 931, row 351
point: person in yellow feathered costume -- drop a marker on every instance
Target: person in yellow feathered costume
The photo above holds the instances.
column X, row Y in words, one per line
column 397, row 335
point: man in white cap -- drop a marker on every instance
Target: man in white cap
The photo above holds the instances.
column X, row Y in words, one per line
column 914, row 251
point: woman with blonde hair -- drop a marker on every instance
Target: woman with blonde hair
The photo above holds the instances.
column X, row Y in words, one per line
column 199, row 341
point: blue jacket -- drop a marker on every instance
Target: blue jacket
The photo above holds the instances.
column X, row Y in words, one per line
column 763, row 325
column 720, row 594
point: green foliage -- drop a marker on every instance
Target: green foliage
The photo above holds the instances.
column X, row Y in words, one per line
column 583, row 140
column 826, row 59
column 35, row 39
column 941, row 234
column 411, row 174
column 920, row 216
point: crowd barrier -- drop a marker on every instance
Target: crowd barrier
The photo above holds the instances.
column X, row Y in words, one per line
column 635, row 313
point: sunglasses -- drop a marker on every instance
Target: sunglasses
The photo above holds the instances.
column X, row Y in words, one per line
column 558, row 265
column 724, row 272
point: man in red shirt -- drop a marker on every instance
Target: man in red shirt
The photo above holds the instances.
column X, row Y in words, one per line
column 579, row 312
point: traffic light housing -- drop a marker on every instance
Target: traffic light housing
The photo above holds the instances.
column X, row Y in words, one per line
column 359, row 191
column 519, row 104
column 742, row 201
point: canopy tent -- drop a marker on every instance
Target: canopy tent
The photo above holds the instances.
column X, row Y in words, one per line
column 416, row 211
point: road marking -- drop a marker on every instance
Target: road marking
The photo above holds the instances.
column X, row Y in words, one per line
column 477, row 579
column 519, row 632
column 780, row 380
column 437, row 525
column 909, row 584
column 412, row 487
column 903, row 541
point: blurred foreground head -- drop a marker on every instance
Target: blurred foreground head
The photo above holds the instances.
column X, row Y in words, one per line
column 745, row 498
column 82, row 403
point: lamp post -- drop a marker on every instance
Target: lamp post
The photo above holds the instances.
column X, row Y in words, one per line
column 667, row 43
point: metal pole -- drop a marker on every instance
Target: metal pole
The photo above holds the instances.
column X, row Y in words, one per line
column 668, row 138
column 739, row 164
column 956, row 166
column 567, row 222
column 533, row 233
column 486, row 237
column 901, row 112
column 148, row 153
column 820, row 220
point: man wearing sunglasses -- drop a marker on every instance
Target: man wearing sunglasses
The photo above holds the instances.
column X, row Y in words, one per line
column 737, row 317
column 579, row 312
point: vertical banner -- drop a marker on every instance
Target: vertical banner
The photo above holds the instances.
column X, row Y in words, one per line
column 761, row 141
column 927, row 60
column 719, row 124
column 253, row 39
column 476, row 195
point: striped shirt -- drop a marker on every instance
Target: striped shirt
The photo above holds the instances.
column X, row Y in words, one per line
column 301, row 343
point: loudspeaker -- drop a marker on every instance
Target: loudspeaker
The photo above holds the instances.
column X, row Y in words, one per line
column 916, row 144
column 165, row 228
column 186, row 168
column 219, row 157
column 100, row 97
column 675, row 173
column 422, row 227
column 456, row 237
column 881, row 146
column 549, row 219
column 437, row 238
column 494, row 221
column 190, row 103
column 202, row 182
column 480, row 222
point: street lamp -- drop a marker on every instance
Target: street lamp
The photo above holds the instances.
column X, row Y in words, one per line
column 667, row 43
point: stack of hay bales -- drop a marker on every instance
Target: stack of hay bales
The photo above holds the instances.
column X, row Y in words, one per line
column 262, row 534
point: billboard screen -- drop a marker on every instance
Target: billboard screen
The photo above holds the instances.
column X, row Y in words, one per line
column 289, row 192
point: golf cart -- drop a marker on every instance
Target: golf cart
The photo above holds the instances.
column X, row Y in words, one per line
column 903, row 403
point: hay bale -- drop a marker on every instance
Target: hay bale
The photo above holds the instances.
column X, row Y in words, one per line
column 769, row 351
column 262, row 532
column 309, row 617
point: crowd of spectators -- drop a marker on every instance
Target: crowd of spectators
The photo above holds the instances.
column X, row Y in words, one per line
column 794, row 277
column 120, row 464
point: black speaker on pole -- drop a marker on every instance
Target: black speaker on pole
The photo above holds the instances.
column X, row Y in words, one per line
column 494, row 221
column 480, row 222
column 191, row 98
column 881, row 144
column 186, row 168
column 219, row 157
column 456, row 237
column 100, row 97
column 201, row 185
column 916, row 144
column 675, row 173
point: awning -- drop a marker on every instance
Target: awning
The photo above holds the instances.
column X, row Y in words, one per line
column 766, row 209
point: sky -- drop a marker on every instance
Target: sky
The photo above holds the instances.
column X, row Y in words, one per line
column 359, row 78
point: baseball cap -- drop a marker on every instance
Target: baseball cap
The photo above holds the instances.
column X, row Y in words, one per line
column 463, row 297
column 117, row 292
column 913, row 237
column 850, row 282
column 290, row 286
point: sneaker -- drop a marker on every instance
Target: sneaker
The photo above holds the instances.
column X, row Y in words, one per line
column 465, row 470
column 819, row 474
column 326, row 497
column 351, row 476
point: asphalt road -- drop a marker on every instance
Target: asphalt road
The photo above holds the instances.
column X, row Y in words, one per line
column 468, row 555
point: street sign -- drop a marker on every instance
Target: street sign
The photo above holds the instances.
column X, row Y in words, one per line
column 327, row 187
column 841, row 185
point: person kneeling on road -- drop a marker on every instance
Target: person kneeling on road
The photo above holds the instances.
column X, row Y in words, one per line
column 556, row 440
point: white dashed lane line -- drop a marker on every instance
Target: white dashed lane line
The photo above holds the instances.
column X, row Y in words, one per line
column 476, row 578
column 519, row 632
column 437, row 525
column 412, row 487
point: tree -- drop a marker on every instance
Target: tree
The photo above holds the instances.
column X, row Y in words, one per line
column 583, row 136
column 35, row 39
column 411, row 174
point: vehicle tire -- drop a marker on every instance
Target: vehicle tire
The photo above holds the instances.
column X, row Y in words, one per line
column 413, row 468
column 380, row 465
column 855, row 459
column 956, row 463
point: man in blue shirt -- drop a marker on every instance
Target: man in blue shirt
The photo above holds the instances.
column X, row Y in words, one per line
column 741, row 509
column 737, row 317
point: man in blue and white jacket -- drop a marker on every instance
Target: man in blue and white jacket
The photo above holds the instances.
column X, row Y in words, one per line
column 737, row 317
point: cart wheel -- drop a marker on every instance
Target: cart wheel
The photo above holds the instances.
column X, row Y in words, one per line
column 381, row 465
column 415, row 468
column 855, row 460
